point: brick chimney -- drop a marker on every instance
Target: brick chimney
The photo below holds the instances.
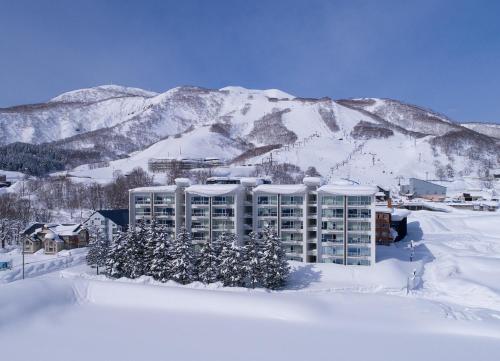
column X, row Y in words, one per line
column 389, row 202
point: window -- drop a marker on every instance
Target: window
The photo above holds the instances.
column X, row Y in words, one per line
column 267, row 200
column 164, row 211
column 336, row 238
column 292, row 237
column 291, row 212
column 223, row 212
column 332, row 213
column 332, row 250
column 358, row 262
column 313, row 198
column 146, row 211
column 199, row 200
column 164, row 199
column 332, row 226
column 358, row 251
column 199, row 236
column 222, row 224
column 199, row 212
column 291, row 225
column 199, row 224
column 267, row 212
column 332, row 200
column 141, row 200
column 223, row 200
column 287, row 200
column 359, row 200
column 358, row 226
column 169, row 223
column 362, row 238
column 358, row 213
column 263, row 223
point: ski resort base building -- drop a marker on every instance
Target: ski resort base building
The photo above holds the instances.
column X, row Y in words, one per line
column 332, row 223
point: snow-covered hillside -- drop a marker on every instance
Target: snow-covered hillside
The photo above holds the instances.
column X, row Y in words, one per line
column 340, row 138
column 490, row 129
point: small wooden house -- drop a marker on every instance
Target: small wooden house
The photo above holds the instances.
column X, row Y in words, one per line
column 55, row 237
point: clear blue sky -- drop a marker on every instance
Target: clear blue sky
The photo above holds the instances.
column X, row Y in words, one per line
column 441, row 54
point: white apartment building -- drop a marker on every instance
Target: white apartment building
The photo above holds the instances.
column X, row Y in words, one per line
column 332, row 223
column 167, row 204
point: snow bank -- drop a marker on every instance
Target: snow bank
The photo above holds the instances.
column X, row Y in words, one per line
column 24, row 299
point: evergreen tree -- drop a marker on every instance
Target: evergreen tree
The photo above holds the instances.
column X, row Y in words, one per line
column 208, row 263
column 275, row 267
column 182, row 256
column 231, row 264
column 116, row 260
column 135, row 251
column 151, row 235
column 161, row 263
column 252, row 264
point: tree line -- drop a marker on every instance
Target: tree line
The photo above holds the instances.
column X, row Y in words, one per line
column 150, row 250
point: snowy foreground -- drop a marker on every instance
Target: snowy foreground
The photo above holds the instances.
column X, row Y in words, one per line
column 328, row 311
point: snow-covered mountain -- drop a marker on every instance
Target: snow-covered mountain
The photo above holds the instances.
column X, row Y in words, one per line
column 367, row 139
column 492, row 130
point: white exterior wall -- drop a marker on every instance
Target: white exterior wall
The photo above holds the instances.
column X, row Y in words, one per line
column 279, row 219
column 311, row 245
column 103, row 224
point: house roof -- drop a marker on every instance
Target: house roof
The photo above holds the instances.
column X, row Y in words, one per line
column 117, row 216
column 31, row 228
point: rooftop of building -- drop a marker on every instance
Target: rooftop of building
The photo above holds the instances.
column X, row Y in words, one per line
column 346, row 188
column 209, row 190
column 281, row 188
column 397, row 214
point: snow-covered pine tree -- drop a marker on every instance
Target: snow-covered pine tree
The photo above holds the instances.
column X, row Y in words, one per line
column 98, row 250
column 161, row 263
column 116, row 260
column 151, row 235
column 183, row 260
column 208, row 263
column 135, row 251
column 252, row 263
column 232, row 268
column 275, row 267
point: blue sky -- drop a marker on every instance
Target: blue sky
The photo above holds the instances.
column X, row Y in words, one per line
column 444, row 55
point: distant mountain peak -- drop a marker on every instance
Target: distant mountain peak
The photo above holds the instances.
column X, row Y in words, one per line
column 271, row 93
column 100, row 93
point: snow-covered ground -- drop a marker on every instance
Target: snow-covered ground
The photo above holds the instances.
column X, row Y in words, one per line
column 327, row 311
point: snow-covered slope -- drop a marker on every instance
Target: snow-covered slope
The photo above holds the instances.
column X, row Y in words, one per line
column 379, row 139
column 490, row 129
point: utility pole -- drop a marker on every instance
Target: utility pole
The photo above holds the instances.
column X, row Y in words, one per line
column 23, row 255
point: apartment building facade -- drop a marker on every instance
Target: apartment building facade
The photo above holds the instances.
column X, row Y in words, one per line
column 329, row 224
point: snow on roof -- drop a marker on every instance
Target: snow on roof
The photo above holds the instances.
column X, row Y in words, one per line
column 397, row 214
column 182, row 182
column 348, row 189
column 209, row 190
column 65, row 229
column 281, row 188
column 169, row 188
column 312, row 181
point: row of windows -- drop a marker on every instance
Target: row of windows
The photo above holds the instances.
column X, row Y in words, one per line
column 216, row 212
column 285, row 200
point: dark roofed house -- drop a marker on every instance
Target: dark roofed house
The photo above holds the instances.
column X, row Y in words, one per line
column 108, row 222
